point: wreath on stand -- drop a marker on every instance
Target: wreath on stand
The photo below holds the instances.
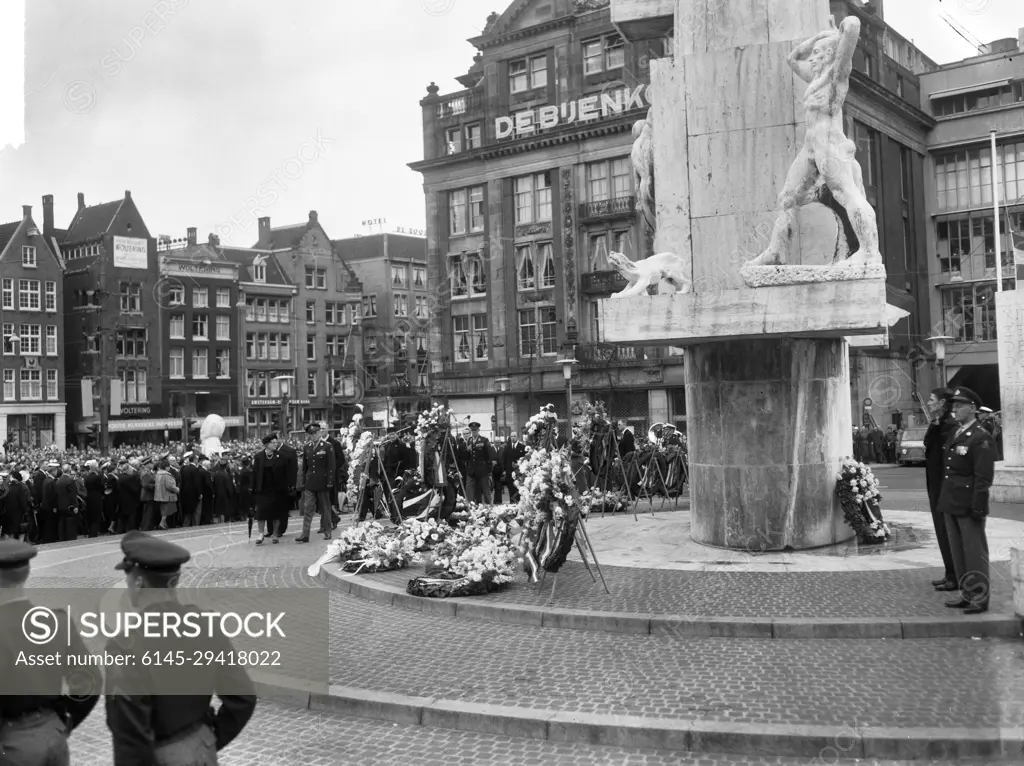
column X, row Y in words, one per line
column 551, row 512
column 858, row 493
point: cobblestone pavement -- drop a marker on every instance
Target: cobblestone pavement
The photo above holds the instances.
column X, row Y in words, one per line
column 280, row 736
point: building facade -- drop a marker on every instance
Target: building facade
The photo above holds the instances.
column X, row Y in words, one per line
column 968, row 100
column 112, row 324
column 529, row 186
column 394, row 372
column 198, row 301
column 32, row 409
column 327, row 299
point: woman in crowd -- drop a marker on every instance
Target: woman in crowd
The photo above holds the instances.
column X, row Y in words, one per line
column 165, row 492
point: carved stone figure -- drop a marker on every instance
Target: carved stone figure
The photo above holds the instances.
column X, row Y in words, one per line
column 667, row 267
column 642, row 158
column 827, row 156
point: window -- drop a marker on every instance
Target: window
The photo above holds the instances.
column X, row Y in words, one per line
column 176, row 295
column 466, row 215
column 527, row 333
column 905, row 173
column 200, row 328
column 370, row 305
column 131, row 343
column 329, row 313
column 533, row 197
column 28, row 256
column 200, row 298
column 256, row 383
column 51, row 340
column 527, row 74
column 899, row 85
column 311, row 348
column 311, row 383
column 869, row 64
column 398, row 276
column 461, row 343
column 526, row 277
column 284, row 343
column 595, row 320
column 969, row 313
column 8, row 293
column 480, row 337
column 335, row 346
column 603, row 54
column 419, row 276
column 963, row 180
column 177, row 363
column 271, row 311
column 28, row 294
column 9, row 385
column 906, row 246
column 453, row 140
column 401, row 305
column 990, row 98
column 133, row 385
column 51, row 385
column 864, row 137
column 311, row 312
column 954, row 241
column 457, row 212
column 223, row 328
column 473, row 136
column 223, row 297
column 31, row 337
column 609, row 180
column 131, row 297
column 316, row 279
column 457, row 276
column 223, row 363
column 310, row 277
column 537, row 331
column 372, row 382
column 177, row 329
column 421, row 307
column 50, row 296
column 31, row 385
column 535, row 266
column 259, row 272
column 200, row 363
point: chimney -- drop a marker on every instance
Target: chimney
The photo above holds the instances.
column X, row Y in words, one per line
column 26, row 211
column 47, row 216
column 312, row 216
column 81, row 201
column 191, row 234
column 127, row 194
column 264, row 229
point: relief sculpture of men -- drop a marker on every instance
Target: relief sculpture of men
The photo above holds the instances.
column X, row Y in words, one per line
column 827, row 156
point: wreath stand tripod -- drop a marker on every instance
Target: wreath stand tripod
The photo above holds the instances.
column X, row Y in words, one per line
column 647, row 480
column 445, row 450
column 373, row 454
column 604, row 474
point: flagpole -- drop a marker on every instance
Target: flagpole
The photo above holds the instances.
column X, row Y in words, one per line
column 995, row 212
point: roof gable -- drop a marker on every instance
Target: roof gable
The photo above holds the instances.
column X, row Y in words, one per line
column 7, row 232
column 92, row 222
column 18, row 231
column 246, row 258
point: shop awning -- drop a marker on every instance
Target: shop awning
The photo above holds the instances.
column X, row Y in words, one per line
column 977, row 87
column 149, row 424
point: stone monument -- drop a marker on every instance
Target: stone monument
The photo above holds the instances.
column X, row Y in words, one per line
column 1008, row 482
column 773, row 297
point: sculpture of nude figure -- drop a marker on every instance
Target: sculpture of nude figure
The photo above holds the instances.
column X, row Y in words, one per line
column 827, row 156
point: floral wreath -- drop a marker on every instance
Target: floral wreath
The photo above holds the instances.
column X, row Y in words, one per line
column 540, row 426
column 860, row 499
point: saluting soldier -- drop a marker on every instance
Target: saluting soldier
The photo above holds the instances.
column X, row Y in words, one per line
column 36, row 715
column 969, row 468
column 160, row 713
column 481, row 460
column 316, row 480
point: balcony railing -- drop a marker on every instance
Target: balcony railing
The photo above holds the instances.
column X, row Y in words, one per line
column 602, row 283
column 463, row 104
column 605, row 355
column 608, row 208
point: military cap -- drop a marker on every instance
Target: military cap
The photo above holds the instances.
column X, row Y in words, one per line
column 312, row 428
column 15, row 553
column 53, row 464
column 474, row 426
column 151, row 553
column 964, row 394
column 986, row 410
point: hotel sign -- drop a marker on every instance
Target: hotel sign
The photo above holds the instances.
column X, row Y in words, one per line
column 598, row 106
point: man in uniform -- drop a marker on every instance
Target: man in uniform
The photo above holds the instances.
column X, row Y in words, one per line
column 969, row 467
column 481, row 458
column 160, row 713
column 316, row 480
column 36, row 715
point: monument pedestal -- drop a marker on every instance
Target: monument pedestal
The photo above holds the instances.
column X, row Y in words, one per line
column 768, row 423
column 1008, row 484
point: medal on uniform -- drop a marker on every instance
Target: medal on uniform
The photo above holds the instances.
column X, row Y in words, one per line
column 961, row 449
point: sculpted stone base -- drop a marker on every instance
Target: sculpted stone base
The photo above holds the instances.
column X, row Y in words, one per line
column 762, row 276
column 768, row 425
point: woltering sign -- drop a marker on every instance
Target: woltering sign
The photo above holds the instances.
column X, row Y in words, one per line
column 583, row 110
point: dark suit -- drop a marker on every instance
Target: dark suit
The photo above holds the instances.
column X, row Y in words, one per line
column 969, row 468
column 273, row 484
column 340, row 472
column 13, row 509
column 319, row 472
column 206, row 491
column 935, row 440
column 67, row 505
column 93, row 504
column 508, row 460
column 224, row 505
column 129, row 502
column 48, row 510
column 190, row 495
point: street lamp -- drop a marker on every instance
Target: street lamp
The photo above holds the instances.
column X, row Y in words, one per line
column 503, row 386
column 240, row 393
column 567, row 365
column 940, row 342
column 285, row 381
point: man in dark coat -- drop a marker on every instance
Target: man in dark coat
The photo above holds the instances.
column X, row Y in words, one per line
column 93, row 499
column 940, row 431
column 150, row 510
column 340, row 476
column 129, row 498
column 67, row 505
column 224, row 493
column 109, row 498
column 291, row 459
column 48, row 504
column 627, row 444
column 206, row 493
column 511, row 453
column 13, row 507
column 316, row 482
column 970, row 465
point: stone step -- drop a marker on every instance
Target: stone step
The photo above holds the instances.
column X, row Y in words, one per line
column 388, row 589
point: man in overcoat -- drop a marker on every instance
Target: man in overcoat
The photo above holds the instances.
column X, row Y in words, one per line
column 941, row 429
column 969, row 468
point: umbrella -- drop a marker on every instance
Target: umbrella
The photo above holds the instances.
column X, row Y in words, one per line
column 250, row 524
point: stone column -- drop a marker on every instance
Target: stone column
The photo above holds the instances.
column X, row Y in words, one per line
column 768, row 421
column 1008, row 485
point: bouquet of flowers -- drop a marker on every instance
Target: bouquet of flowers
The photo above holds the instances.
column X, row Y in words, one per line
column 495, row 517
column 391, row 549
column 433, row 423
column 858, row 493
column 596, row 501
column 355, row 462
column 539, row 426
column 425, row 535
column 477, row 554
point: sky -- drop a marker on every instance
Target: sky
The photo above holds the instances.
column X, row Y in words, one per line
column 217, row 113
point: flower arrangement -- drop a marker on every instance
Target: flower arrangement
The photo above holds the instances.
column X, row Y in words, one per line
column 357, row 455
column 540, row 426
column 433, row 423
column 425, row 534
column 391, row 549
column 592, row 420
column 596, row 501
column 858, row 493
column 477, row 553
column 546, row 487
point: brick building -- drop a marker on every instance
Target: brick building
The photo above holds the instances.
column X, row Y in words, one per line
column 32, row 408
column 529, row 185
column 199, row 319
column 327, row 298
column 394, row 332
column 968, row 99
column 111, row 323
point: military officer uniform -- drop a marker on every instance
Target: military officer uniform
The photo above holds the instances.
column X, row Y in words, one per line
column 319, row 472
column 36, row 715
column 969, row 466
column 481, row 460
column 160, row 713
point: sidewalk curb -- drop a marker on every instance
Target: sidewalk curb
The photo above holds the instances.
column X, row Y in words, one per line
column 802, row 741
column 675, row 625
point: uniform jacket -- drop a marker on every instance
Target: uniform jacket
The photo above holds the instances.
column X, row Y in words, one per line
column 319, row 467
column 48, row 495
column 935, row 440
column 481, row 456
column 969, row 466
column 340, row 462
